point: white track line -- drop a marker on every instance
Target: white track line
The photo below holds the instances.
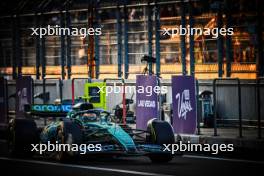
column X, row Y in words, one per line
column 84, row 167
column 223, row 159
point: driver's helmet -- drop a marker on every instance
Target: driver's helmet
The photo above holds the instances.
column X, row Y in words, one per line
column 89, row 117
column 104, row 118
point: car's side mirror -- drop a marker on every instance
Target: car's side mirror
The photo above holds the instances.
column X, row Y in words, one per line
column 129, row 101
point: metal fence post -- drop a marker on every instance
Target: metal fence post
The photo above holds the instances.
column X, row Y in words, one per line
column 220, row 46
column 97, row 41
column 228, row 42
column 43, row 50
column 126, row 42
column 150, row 34
column 68, row 39
column 37, row 48
column 157, row 38
column 62, row 44
column 119, row 40
column 191, row 38
column 183, row 42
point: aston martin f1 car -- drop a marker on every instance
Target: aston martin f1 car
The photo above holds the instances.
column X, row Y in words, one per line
column 85, row 125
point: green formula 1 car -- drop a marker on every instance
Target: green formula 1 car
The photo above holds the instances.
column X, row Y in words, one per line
column 81, row 125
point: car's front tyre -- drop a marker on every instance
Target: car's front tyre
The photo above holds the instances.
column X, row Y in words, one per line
column 160, row 132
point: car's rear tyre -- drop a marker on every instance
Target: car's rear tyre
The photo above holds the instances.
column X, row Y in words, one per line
column 68, row 133
column 22, row 133
column 160, row 132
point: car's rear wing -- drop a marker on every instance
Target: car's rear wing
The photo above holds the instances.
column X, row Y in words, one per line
column 48, row 110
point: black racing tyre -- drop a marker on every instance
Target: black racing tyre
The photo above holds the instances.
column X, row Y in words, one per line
column 22, row 133
column 69, row 133
column 160, row 132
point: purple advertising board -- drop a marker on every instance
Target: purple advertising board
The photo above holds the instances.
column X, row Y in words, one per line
column 184, row 104
column 146, row 100
column 3, row 100
column 23, row 94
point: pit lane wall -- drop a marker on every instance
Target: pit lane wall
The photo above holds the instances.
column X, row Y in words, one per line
column 226, row 96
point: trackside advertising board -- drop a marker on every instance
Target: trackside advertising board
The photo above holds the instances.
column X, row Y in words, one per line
column 146, row 101
column 184, row 104
column 23, row 94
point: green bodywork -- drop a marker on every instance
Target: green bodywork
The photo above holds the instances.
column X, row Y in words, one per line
column 101, row 126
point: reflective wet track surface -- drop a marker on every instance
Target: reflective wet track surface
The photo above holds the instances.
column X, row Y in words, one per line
column 181, row 165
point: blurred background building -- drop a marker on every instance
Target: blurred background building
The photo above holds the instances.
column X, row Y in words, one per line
column 130, row 30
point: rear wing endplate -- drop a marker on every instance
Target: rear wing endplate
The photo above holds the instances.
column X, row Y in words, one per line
column 48, row 110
